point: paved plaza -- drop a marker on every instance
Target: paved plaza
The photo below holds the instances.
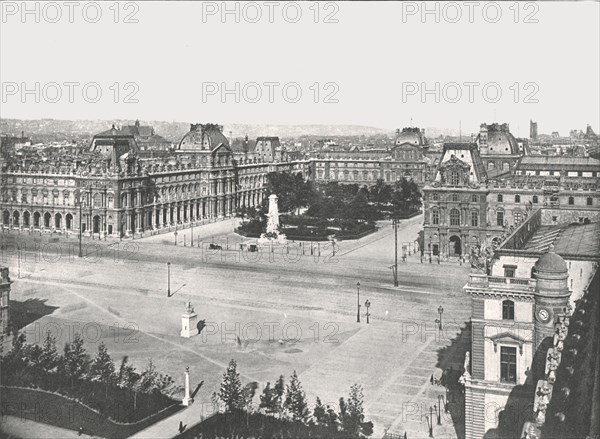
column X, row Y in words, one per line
column 273, row 311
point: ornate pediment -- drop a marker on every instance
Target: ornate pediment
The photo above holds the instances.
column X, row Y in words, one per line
column 455, row 164
column 508, row 338
column 454, row 171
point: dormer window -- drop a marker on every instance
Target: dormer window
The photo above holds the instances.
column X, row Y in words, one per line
column 454, row 178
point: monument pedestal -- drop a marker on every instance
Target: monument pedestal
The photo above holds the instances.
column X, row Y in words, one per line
column 189, row 322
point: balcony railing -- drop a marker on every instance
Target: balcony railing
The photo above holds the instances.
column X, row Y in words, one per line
column 512, row 283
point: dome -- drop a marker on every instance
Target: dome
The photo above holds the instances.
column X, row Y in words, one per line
column 551, row 263
column 413, row 136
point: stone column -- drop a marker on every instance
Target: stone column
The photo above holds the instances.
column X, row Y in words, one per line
column 187, row 399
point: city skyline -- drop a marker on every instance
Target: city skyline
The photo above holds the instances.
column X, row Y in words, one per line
column 372, row 75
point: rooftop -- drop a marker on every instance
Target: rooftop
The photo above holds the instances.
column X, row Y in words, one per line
column 572, row 239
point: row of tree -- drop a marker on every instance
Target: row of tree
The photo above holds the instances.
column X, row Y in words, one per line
column 122, row 392
column 288, row 402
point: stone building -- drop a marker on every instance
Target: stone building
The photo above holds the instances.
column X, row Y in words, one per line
column 456, row 203
column 5, row 283
column 498, row 148
column 512, row 320
column 534, row 278
column 111, row 190
column 407, row 158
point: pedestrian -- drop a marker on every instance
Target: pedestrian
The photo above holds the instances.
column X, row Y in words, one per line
column 182, row 427
column 431, row 379
column 80, row 431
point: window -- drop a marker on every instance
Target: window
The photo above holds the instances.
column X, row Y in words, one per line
column 517, row 216
column 499, row 198
column 435, row 197
column 490, row 166
column 588, row 201
column 505, row 166
column 509, row 271
column 474, row 198
column 435, row 217
column 454, row 197
column 500, row 218
column 517, row 198
column 535, row 199
column 474, row 218
column 454, row 177
column 571, row 200
column 455, row 217
column 508, row 364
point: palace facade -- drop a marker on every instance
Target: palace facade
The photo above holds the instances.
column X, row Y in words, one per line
column 111, row 190
column 466, row 208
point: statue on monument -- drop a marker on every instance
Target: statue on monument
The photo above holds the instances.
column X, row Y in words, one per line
column 272, row 234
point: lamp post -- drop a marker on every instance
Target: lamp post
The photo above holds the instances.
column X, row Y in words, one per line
column 175, row 233
column 429, row 420
column 368, row 305
column 358, row 302
column 439, row 321
column 442, row 400
column 168, row 279
column 395, row 223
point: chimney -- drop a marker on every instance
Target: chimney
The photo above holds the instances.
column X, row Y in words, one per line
column 397, row 131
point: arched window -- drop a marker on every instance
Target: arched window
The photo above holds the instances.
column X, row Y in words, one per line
column 517, row 198
column 435, row 197
column 535, row 199
column 571, row 200
column 435, row 216
column 455, row 217
column 508, row 310
column 500, row 198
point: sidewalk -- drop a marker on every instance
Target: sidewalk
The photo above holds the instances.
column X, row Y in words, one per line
column 13, row 426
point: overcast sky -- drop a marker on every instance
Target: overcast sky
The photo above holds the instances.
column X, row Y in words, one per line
column 364, row 61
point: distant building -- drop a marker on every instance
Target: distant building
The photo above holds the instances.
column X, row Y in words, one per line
column 498, row 148
column 533, row 130
column 456, row 203
column 5, row 283
column 146, row 138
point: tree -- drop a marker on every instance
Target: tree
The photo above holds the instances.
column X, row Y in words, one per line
column 103, row 369
column 295, row 400
column 352, row 414
column 75, row 359
column 231, row 388
column 279, row 391
column 320, row 413
column 49, row 358
column 268, row 400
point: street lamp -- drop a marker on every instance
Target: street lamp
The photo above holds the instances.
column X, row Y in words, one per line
column 358, row 302
column 168, row 279
column 442, row 400
column 367, row 305
column 439, row 321
column 429, row 420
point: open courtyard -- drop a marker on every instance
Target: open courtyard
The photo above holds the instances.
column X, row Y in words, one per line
column 273, row 311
